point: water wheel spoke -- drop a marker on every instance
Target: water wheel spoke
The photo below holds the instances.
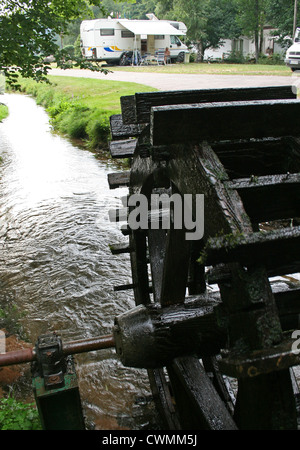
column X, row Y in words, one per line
column 199, row 405
column 169, row 257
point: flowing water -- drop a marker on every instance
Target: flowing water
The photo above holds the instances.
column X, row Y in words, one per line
column 55, row 263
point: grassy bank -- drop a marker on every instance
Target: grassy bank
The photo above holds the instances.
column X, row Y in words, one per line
column 80, row 107
column 3, row 112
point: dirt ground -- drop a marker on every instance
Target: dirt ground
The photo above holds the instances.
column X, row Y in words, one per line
column 10, row 375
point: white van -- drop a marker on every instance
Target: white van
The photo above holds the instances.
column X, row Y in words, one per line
column 110, row 39
column 292, row 58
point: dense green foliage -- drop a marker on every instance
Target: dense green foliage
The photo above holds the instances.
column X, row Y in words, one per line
column 28, row 35
column 15, row 415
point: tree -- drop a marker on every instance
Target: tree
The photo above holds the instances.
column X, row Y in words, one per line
column 280, row 14
column 252, row 19
column 28, row 35
column 209, row 22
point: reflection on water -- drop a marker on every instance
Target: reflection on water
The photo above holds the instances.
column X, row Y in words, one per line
column 55, row 262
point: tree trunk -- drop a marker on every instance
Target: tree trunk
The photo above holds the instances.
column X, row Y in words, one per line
column 256, row 32
column 261, row 41
column 200, row 51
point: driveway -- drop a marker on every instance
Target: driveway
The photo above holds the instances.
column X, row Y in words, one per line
column 171, row 82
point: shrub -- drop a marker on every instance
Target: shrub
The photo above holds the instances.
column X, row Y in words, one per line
column 15, row 415
column 274, row 59
column 235, row 57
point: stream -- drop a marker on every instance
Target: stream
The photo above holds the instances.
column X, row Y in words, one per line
column 56, row 267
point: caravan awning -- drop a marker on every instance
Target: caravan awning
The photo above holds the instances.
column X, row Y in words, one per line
column 150, row 27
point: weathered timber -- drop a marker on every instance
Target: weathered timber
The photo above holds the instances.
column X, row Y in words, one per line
column 279, row 357
column 119, row 130
column 199, row 405
column 175, row 268
column 123, row 148
column 270, row 197
column 118, row 249
column 124, row 287
column 266, row 402
column 259, row 157
column 139, row 268
column 128, row 109
column 144, row 101
column 278, row 247
column 163, row 399
column 150, row 337
column 227, row 120
column 116, row 179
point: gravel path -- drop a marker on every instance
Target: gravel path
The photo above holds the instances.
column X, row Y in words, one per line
column 170, row 82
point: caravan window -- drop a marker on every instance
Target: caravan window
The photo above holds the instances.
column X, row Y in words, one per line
column 127, row 34
column 159, row 36
column 107, row 32
column 175, row 40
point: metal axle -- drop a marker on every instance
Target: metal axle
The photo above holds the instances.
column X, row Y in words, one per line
column 69, row 348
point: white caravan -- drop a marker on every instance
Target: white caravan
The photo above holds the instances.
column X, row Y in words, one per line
column 292, row 58
column 111, row 39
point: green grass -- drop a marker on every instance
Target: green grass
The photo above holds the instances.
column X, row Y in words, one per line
column 80, row 107
column 3, row 112
column 212, row 69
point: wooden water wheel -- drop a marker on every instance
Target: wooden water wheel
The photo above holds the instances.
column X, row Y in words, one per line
column 227, row 364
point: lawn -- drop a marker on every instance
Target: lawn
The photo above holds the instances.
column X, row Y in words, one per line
column 213, row 69
column 97, row 93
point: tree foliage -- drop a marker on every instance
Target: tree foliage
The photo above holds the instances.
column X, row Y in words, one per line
column 28, row 35
column 252, row 19
column 209, row 22
column 280, row 14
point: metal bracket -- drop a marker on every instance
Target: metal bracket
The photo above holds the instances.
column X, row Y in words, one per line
column 51, row 363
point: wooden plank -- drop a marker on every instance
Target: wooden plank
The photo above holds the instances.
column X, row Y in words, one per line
column 273, row 248
column 128, row 109
column 145, row 101
column 123, row 148
column 118, row 179
column 118, row 249
column 221, row 121
column 163, row 399
column 259, row 157
column 199, row 405
column 175, row 268
column 269, row 197
column 121, row 131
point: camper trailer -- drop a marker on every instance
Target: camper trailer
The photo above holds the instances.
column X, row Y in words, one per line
column 292, row 58
column 111, row 40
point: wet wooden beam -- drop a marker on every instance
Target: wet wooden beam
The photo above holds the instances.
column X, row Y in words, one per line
column 123, row 148
column 119, row 130
column 118, row 179
column 225, row 120
column 270, row 197
column 118, row 249
column 128, row 109
column 145, row 101
column 275, row 248
column 259, row 157
column 199, row 405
